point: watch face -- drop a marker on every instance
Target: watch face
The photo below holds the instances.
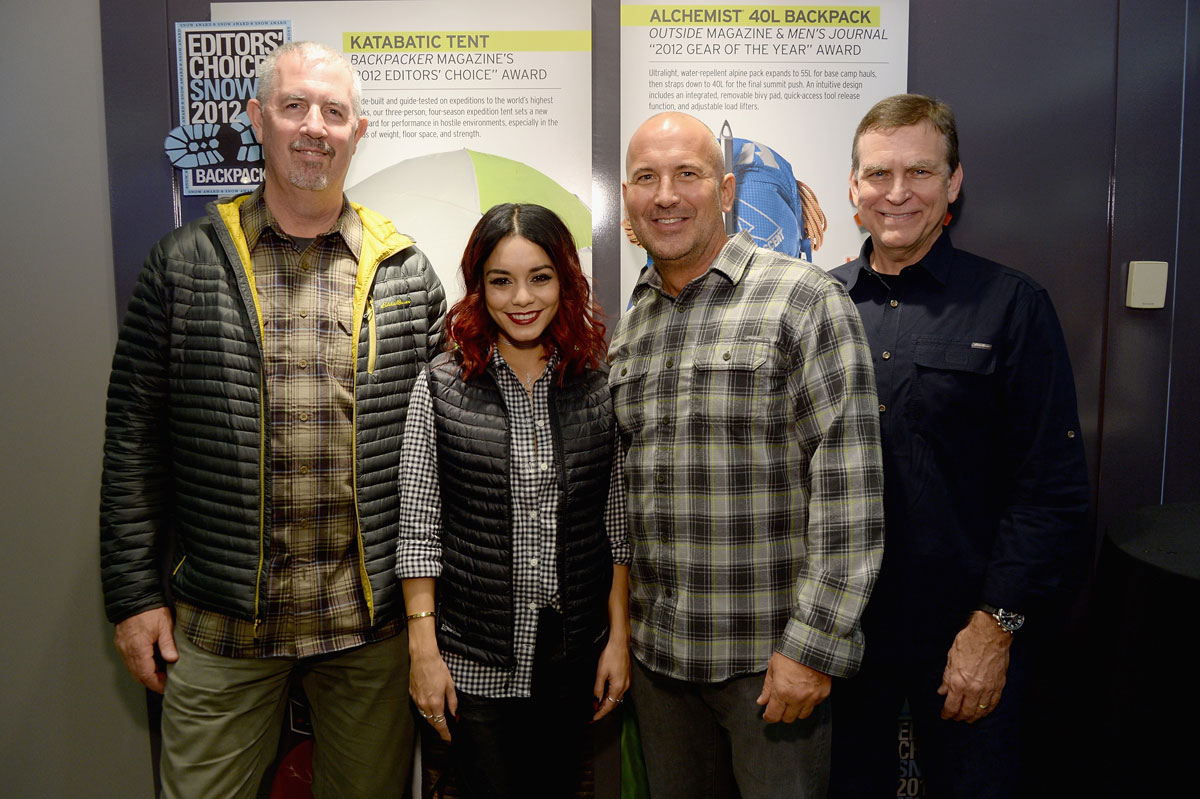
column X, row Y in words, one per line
column 1009, row 620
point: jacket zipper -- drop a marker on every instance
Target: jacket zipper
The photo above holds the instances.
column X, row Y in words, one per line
column 372, row 344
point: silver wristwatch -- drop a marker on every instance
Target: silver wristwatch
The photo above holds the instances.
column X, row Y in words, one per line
column 1009, row 620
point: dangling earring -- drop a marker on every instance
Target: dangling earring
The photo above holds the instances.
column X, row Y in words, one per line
column 946, row 220
column 858, row 220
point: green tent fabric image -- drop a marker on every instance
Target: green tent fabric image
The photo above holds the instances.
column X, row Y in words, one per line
column 437, row 198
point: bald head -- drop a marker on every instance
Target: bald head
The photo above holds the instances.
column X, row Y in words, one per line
column 675, row 190
column 676, row 122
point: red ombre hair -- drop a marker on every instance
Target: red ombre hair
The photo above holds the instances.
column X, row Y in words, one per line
column 576, row 331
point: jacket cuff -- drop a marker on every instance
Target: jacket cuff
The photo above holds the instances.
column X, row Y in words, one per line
column 118, row 612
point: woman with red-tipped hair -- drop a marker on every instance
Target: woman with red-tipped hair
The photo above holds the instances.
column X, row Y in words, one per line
column 512, row 549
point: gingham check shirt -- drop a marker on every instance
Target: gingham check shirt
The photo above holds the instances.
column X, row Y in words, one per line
column 312, row 602
column 748, row 414
column 535, row 496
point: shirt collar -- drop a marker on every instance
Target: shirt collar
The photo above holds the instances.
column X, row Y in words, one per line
column 498, row 361
column 731, row 263
column 257, row 218
column 937, row 262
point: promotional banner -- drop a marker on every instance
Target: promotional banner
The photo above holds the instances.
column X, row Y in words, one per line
column 784, row 86
column 469, row 104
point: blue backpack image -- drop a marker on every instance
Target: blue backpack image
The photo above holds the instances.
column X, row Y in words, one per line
column 770, row 202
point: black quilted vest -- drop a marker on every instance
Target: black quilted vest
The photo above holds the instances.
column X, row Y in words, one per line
column 474, row 593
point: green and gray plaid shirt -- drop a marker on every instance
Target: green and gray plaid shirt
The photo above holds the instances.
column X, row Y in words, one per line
column 748, row 413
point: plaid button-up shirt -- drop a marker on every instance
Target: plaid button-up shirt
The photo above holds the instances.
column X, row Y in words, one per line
column 747, row 410
column 313, row 601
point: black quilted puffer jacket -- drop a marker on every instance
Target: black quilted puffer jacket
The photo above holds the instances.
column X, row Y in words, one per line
column 475, row 590
column 186, row 444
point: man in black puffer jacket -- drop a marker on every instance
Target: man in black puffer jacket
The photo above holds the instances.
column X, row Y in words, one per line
column 255, row 415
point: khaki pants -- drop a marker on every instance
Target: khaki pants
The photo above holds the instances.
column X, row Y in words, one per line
column 222, row 716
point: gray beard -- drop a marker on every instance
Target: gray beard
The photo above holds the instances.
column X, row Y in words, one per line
column 311, row 179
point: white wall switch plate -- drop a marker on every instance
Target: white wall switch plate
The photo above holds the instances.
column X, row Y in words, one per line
column 1147, row 287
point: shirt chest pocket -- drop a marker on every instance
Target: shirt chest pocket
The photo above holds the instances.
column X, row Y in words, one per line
column 953, row 383
column 735, row 382
column 628, row 383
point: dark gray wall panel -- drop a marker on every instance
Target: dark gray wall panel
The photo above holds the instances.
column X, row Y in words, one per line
column 1182, row 482
column 1146, row 199
column 138, row 75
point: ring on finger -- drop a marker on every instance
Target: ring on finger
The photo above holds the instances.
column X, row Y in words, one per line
column 982, row 707
column 612, row 699
column 437, row 719
column 425, row 715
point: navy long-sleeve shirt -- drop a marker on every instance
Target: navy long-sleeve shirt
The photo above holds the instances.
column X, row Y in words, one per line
column 985, row 482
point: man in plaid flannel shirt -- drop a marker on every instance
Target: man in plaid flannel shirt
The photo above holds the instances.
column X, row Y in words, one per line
column 745, row 396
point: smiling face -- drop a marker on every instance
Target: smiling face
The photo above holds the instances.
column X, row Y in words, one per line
column 675, row 191
column 306, row 127
column 902, row 189
column 521, row 290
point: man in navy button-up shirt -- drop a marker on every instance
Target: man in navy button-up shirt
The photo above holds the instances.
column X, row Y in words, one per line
column 985, row 484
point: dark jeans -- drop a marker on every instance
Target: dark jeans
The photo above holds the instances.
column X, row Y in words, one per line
column 699, row 739
column 957, row 760
column 528, row 747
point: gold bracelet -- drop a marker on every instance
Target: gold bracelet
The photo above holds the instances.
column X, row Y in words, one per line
column 412, row 616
